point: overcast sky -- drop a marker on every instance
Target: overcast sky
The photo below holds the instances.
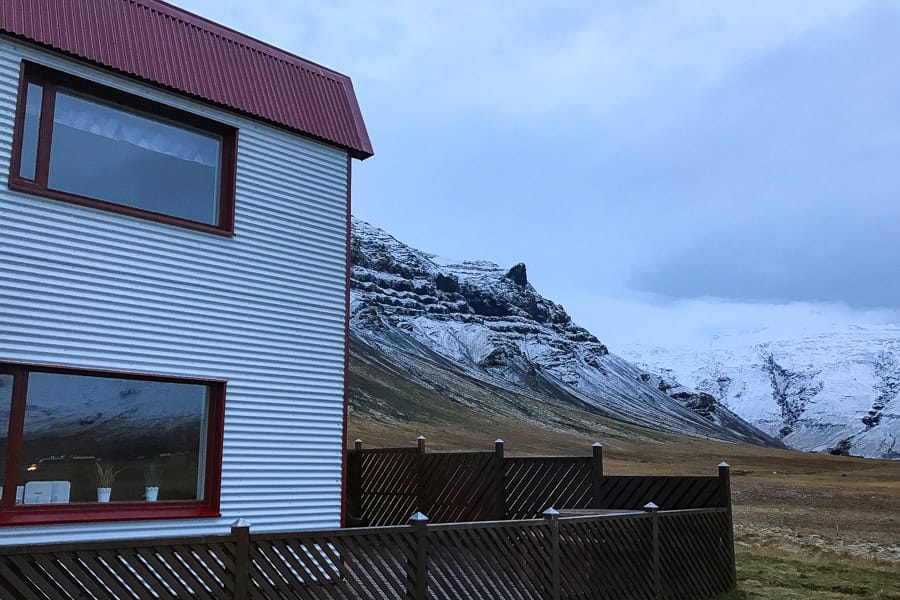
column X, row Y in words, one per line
column 667, row 170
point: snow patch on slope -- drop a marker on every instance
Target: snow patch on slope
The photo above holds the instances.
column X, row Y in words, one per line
column 830, row 392
column 494, row 325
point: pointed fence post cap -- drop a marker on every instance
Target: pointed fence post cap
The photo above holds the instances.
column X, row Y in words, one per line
column 357, row 441
column 240, row 522
column 650, row 506
column 418, row 518
column 421, row 437
column 597, row 445
column 550, row 513
column 724, row 465
column 498, row 441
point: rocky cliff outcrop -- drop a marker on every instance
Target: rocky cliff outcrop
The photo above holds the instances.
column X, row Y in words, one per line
column 424, row 314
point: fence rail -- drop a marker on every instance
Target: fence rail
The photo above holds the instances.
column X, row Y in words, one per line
column 678, row 554
column 683, row 549
column 385, row 485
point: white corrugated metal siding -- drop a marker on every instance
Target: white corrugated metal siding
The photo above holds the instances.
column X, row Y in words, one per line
column 265, row 310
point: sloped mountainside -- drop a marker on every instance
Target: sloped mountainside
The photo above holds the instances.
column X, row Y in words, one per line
column 835, row 392
column 460, row 327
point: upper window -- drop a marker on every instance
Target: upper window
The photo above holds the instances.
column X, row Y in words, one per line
column 80, row 445
column 82, row 142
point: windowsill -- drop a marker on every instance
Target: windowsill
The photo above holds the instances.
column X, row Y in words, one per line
column 26, row 186
column 58, row 514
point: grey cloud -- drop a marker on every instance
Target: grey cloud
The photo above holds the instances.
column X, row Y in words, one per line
column 788, row 177
column 831, row 259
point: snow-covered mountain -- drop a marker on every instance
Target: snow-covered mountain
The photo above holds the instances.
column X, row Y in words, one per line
column 477, row 324
column 829, row 392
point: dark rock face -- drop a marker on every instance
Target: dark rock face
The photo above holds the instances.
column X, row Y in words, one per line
column 887, row 373
column 792, row 391
column 400, row 283
column 486, row 304
column 394, row 275
column 500, row 356
column 446, row 283
column 842, row 448
column 700, row 402
column 518, row 275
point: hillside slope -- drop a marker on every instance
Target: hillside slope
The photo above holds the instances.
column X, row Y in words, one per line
column 832, row 392
column 482, row 337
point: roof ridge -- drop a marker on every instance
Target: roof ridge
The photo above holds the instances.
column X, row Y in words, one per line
column 233, row 35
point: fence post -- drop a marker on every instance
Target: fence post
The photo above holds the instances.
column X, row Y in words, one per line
column 725, row 491
column 421, row 491
column 499, row 483
column 596, row 474
column 650, row 507
column 552, row 515
column 354, row 485
column 417, row 578
column 240, row 530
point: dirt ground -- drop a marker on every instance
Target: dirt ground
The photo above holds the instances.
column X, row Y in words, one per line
column 785, row 501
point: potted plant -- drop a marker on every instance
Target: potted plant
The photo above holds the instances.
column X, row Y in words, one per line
column 105, row 478
column 152, row 476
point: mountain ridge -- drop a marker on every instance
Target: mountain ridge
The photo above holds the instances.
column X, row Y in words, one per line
column 836, row 391
column 478, row 325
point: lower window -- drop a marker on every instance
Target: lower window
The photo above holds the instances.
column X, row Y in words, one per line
column 83, row 445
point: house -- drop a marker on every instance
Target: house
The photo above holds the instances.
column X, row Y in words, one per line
column 174, row 235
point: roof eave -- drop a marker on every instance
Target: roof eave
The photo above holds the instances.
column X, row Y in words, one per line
column 363, row 151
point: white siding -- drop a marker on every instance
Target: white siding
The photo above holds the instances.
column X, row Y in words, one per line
column 264, row 310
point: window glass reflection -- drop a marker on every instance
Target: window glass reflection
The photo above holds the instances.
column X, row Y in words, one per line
column 84, row 435
column 106, row 153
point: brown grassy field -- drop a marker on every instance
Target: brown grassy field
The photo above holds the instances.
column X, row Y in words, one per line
column 795, row 512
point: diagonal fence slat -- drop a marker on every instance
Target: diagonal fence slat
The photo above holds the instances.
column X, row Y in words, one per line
column 370, row 563
column 632, row 492
column 461, row 486
column 683, row 551
column 392, row 483
column 534, row 484
column 683, row 555
column 388, row 481
column 607, row 558
column 504, row 559
column 123, row 570
column 696, row 553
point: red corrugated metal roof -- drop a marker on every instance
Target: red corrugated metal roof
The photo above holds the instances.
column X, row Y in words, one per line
column 168, row 46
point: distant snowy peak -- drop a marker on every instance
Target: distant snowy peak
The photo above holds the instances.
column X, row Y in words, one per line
column 830, row 392
column 492, row 324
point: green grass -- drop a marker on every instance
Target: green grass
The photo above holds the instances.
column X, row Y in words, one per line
column 767, row 576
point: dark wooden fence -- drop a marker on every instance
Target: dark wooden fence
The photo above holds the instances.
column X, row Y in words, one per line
column 385, row 485
column 678, row 554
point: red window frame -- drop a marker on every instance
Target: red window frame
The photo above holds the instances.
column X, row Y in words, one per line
column 50, row 80
column 85, row 512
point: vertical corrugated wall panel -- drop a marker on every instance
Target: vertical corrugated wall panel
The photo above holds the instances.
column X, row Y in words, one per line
column 264, row 310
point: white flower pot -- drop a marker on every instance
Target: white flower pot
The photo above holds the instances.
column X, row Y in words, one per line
column 103, row 494
column 150, row 493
